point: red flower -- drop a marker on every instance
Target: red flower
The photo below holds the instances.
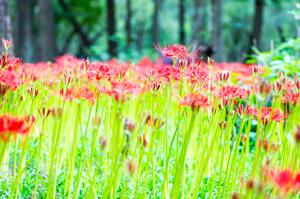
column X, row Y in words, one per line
column 14, row 125
column 86, row 93
column 227, row 93
column 175, row 50
column 197, row 74
column 252, row 111
column 195, row 101
column 277, row 116
column 67, row 94
column 297, row 135
column 121, row 90
column 290, row 97
column 284, row 179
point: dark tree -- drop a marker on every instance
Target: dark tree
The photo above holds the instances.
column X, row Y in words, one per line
column 5, row 23
column 181, row 21
column 47, row 30
column 255, row 35
column 198, row 21
column 155, row 22
column 128, row 22
column 24, row 30
column 111, row 27
column 217, row 29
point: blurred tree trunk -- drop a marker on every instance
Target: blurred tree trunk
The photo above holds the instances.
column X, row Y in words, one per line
column 128, row 22
column 47, row 30
column 5, row 24
column 111, row 27
column 24, row 30
column 140, row 30
column 155, row 22
column 198, row 22
column 257, row 24
column 217, row 29
column 181, row 21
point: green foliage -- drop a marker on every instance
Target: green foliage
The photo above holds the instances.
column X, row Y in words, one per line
column 285, row 58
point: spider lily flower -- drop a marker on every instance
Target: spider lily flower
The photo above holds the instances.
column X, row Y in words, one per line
column 122, row 90
column 44, row 113
column 228, row 93
column 11, row 125
column 297, row 135
column 129, row 125
column 177, row 51
column 255, row 69
column 155, row 122
column 222, row 76
column 6, row 44
column 290, row 97
column 285, row 180
column 195, row 101
column 267, row 114
column 197, row 74
column 80, row 93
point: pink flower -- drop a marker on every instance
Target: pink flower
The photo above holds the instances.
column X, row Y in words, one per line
column 195, row 101
column 6, row 44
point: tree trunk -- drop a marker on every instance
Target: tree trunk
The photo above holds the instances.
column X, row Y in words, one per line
column 257, row 24
column 155, row 22
column 5, row 24
column 111, row 27
column 217, row 26
column 128, row 22
column 198, row 22
column 24, row 30
column 181, row 22
column 47, row 30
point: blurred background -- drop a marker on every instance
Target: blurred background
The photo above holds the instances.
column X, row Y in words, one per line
column 128, row 29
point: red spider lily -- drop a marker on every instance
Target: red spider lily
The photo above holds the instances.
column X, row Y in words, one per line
column 175, row 50
column 129, row 125
column 284, row 179
column 251, row 111
column 154, row 86
column 265, row 88
column 297, row 84
column 56, row 112
column 103, row 142
column 277, row 116
column 6, row 44
column 222, row 76
column 143, row 140
column 68, row 94
column 244, row 71
column 33, row 92
column 109, row 70
column 154, row 122
column 227, row 93
column 222, row 124
column 195, row 101
column 80, row 93
column 121, row 90
column 44, row 113
column 10, row 125
column 267, row 146
column 255, row 69
column 85, row 93
column 10, row 79
column 290, row 97
column 297, row 135
column 278, row 86
column 197, row 74
column 131, row 167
